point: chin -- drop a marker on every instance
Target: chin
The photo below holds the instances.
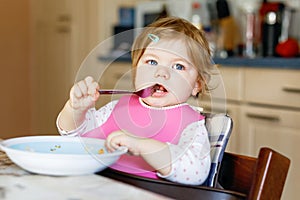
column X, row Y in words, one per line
column 159, row 102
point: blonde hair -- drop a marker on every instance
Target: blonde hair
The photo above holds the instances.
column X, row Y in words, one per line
column 172, row 27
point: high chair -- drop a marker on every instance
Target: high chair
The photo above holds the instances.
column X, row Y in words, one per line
column 219, row 127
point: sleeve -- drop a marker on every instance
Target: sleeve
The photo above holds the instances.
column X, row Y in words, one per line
column 93, row 119
column 191, row 156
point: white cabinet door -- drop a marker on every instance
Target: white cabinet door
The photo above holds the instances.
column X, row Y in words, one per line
column 275, row 128
column 278, row 87
column 60, row 35
column 51, row 44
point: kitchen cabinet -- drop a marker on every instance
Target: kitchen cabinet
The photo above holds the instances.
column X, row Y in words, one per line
column 226, row 95
column 271, row 117
column 265, row 106
column 275, row 128
column 118, row 75
column 276, row 87
column 63, row 33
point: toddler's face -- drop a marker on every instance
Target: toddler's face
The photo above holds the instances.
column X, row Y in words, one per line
column 165, row 70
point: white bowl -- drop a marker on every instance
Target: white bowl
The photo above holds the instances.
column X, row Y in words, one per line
column 60, row 155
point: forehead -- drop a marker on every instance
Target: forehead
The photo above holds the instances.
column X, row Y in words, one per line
column 174, row 46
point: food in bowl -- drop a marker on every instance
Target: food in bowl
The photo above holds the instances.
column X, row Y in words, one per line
column 60, row 155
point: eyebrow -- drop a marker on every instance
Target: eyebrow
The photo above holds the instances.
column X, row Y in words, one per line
column 150, row 55
column 177, row 59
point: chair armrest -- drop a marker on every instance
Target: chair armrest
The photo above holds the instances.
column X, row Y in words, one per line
column 270, row 175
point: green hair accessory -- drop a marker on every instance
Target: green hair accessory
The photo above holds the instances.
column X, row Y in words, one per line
column 153, row 37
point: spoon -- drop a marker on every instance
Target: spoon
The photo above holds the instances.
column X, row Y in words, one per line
column 141, row 93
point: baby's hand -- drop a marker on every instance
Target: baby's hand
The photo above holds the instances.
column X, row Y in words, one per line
column 122, row 138
column 84, row 94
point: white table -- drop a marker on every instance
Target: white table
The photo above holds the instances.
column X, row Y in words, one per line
column 16, row 184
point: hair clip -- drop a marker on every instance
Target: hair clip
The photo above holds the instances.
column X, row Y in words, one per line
column 153, row 37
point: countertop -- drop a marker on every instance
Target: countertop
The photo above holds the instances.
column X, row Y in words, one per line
column 259, row 62
column 268, row 62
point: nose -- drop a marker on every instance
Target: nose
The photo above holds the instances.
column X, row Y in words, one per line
column 162, row 72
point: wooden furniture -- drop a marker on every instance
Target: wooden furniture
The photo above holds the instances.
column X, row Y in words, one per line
column 259, row 178
column 241, row 177
column 173, row 190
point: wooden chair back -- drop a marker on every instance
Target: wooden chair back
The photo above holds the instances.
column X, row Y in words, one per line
column 259, row 178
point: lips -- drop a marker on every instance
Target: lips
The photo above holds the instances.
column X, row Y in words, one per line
column 158, row 90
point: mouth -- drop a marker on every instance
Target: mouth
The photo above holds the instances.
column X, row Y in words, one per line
column 158, row 90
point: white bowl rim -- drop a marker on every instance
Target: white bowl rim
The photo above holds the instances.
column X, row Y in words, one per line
column 4, row 145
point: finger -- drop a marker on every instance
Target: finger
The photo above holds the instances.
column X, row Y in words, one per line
column 114, row 144
column 113, row 140
column 83, row 87
column 108, row 144
column 88, row 80
column 86, row 103
column 75, row 92
column 93, row 88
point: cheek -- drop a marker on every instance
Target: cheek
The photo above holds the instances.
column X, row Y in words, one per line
column 182, row 89
column 194, row 77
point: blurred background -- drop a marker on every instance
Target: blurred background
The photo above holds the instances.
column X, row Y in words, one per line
column 43, row 43
column 256, row 43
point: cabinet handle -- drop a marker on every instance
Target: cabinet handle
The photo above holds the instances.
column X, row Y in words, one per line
column 63, row 29
column 64, row 18
column 292, row 89
column 263, row 117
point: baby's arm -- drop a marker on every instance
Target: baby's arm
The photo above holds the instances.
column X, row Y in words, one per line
column 93, row 119
column 191, row 156
column 187, row 162
column 83, row 96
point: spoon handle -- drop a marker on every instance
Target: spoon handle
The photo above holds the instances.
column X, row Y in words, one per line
column 115, row 91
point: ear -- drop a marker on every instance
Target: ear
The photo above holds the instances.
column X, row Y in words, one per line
column 197, row 88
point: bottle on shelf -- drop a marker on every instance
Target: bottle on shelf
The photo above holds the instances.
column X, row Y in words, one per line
column 195, row 16
column 200, row 14
column 228, row 36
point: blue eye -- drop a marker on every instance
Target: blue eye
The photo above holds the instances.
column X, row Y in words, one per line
column 151, row 62
column 178, row 67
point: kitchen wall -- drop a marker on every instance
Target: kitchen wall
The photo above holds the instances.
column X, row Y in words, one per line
column 15, row 68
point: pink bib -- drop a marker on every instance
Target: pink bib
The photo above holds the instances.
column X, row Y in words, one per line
column 162, row 124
